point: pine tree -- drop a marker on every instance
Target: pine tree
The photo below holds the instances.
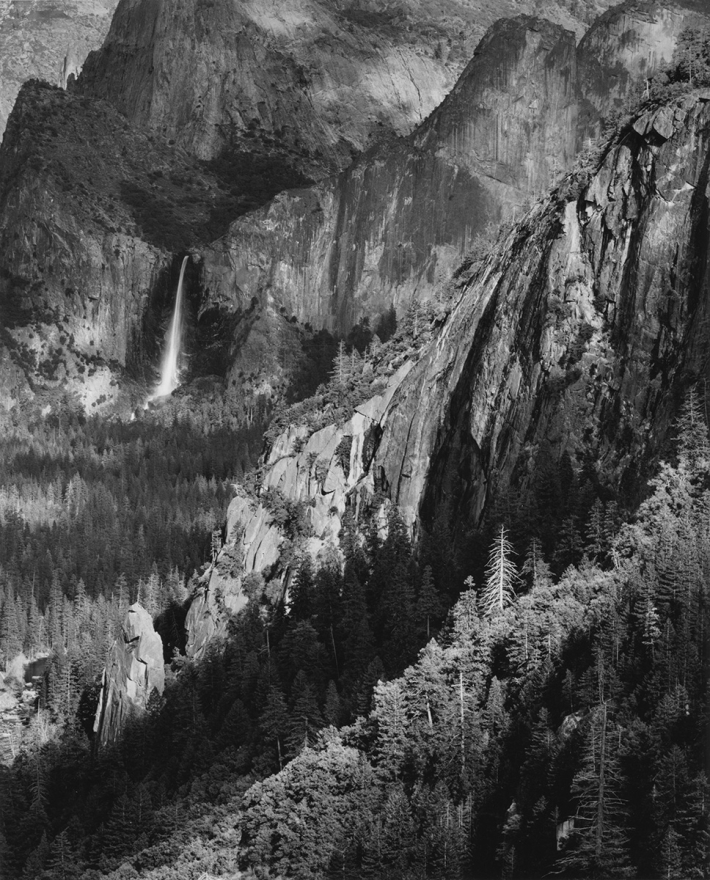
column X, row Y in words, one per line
column 535, row 571
column 429, row 604
column 692, row 439
column 120, row 829
column 333, row 709
column 598, row 846
column 274, row 721
column 340, row 372
column 305, row 718
column 62, row 861
column 391, row 744
column 301, row 591
column 501, row 577
column 595, row 545
column 36, row 859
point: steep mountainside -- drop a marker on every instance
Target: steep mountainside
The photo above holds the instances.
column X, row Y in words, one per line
column 398, row 220
column 46, row 39
column 390, row 228
column 91, row 212
column 393, row 227
column 314, row 81
column 575, row 337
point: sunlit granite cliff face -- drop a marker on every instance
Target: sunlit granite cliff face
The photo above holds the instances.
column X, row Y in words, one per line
column 398, row 220
column 134, row 670
column 96, row 209
column 313, row 80
column 577, row 335
column 624, row 48
column 393, row 226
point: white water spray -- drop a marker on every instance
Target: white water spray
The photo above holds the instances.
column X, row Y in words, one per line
column 169, row 376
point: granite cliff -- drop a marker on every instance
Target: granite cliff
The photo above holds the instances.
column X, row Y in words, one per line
column 134, row 670
column 96, row 210
column 401, row 217
column 48, row 40
column 313, row 81
column 388, row 229
column 577, row 335
column 393, row 227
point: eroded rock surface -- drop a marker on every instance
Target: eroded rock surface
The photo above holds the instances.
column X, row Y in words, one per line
column 48, row 40
column 578, row 336
column 324, row 470
column 123, row 199
column 320, row 80
column 392, row 228
column 134, row 670
column 396, row 223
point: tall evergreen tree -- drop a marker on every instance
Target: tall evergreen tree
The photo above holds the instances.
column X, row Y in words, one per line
column 501, row 576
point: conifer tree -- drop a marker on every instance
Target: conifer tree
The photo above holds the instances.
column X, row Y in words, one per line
column 274, row 721
column 333, row 709
column 36, row 859
column 535, row 571
column 429, row 605
column 501, row 577
column 305, row 718
column 62, row 861
column 301, row 591
column 598, row 846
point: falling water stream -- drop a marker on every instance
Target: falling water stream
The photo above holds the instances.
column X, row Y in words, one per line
column 169, row 377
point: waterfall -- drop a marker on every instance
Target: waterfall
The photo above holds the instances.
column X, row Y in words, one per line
column 169, row 378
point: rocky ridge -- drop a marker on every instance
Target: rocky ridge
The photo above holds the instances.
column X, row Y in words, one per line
column 348, row 72
column 392, row 228
column 48, row 40
column 134, row 670
column 576, row 336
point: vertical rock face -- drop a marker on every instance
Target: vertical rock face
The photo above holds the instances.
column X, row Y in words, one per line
column 625, row 46
column 134, row 670
column 400, row 219
column 392, row 227
column 89, row 222
column 579, row 335
column 322, row 79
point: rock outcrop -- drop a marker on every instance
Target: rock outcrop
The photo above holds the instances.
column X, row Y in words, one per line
column 134, row 670
column 42, row 39
column 320, row 470
column 577, row 336
column 623, row 49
